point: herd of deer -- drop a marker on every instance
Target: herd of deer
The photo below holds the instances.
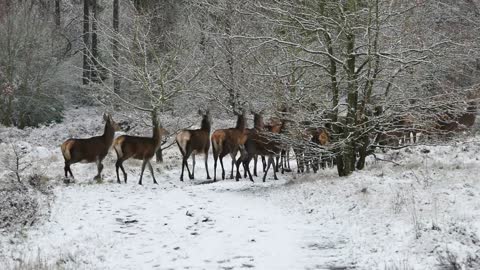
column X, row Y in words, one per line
column 248, row 142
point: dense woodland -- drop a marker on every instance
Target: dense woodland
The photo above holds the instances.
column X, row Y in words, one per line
column 373, row 73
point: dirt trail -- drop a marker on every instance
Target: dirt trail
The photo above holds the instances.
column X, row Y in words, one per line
column 169, row 226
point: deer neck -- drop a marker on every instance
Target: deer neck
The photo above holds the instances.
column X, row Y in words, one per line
column 157, row 137
column 240, row 122
column 206, row 125
column 108, row 133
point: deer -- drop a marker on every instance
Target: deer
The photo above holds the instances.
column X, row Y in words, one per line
column 228, row 141
column 90, row 150
column 276, row 126
column 258, row 125
column 448, row 123
column 141, row 148
column 319, row 137
column 195, row 141
column 259, row 143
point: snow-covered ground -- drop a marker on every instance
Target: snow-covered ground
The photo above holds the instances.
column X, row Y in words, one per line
column 420, row 211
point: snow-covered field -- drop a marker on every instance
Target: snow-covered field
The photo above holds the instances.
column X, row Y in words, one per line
column 421, row 211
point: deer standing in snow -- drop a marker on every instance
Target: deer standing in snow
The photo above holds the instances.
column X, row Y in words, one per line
column 142, row 148
column 260, row 143
column 90, row 150
column 196, row 141
column 228, row 141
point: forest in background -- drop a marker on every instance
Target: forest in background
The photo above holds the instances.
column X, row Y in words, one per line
column 357, row 67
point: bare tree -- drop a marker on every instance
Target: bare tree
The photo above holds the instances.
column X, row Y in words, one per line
column 94, row 59
column 86, row 41
column 116, row 27
column 153, row 78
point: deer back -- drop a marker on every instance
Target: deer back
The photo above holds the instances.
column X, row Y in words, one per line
column 91, row 149
column 139, row 147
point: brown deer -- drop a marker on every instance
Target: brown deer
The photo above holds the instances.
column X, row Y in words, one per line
column 228, row 141
column 276, row 126
column 447, row 123
column 258, row 125
column 319, row 137
column 90, row 150
column 196, row 141
column 142, row 148
column 260, row 143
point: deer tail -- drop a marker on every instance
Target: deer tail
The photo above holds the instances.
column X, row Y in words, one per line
column 117, row 145
column 182, row 140
column 66, row 148
column 217, row 144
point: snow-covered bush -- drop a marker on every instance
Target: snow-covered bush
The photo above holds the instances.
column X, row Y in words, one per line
column 19, row 208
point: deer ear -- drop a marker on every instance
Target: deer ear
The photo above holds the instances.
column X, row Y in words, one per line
column 164, row 132
column 105, row 116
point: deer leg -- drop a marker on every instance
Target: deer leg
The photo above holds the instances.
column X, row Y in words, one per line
column 223, row 170
column 269, row 162
column 264, row 163
column 247, row 167
column 185, row 164
column 237, row 163
column 183, row 168
column 71, row 174
column 66, row 168
column 183, row 160
column 255, row 159
column 192, row 176
column 151, row 171
column 277, row 165
column 298, row 155
column 187, row 154
column 288, row 161
column 117, row 166
column 214, row 167
column 274, row 165
column 206, row 165
column 123, row 171
column 141, row 173
column 233, row 163
column 98, row 177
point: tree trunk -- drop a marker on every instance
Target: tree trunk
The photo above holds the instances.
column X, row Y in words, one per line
column 116, row 24
column 86, row 41
column 155, row 123
column 349, row 151
column 94, row 68
column 57, row 13
column 232, row 93
column 137, row 5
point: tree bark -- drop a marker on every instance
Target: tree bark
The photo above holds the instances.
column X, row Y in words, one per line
column 349, row 151
column 232, row 93
column 116, row 26
column 86, row 41
column 57, row 13
column 94, row 68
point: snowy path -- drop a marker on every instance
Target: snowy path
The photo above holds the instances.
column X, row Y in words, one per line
column 176, row 226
